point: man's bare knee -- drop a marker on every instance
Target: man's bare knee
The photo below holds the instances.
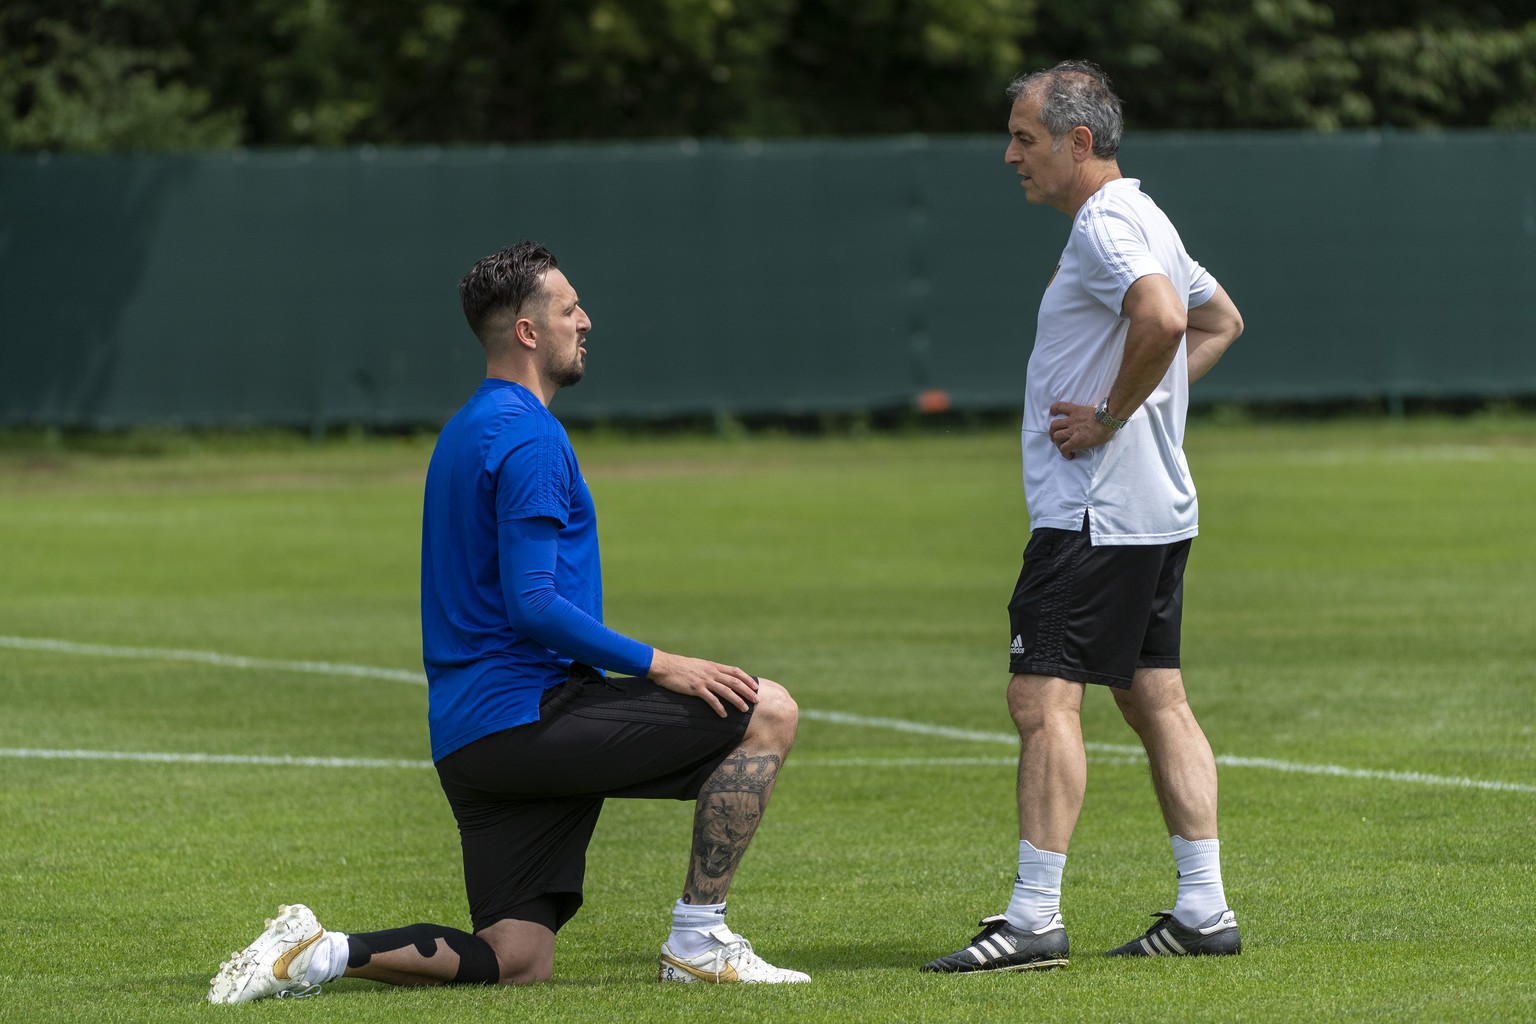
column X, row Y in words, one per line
column 526, row 976
column 1156, row 695
column 775, row 718
column 525, row 951
column 525, row 967
column 1130, row 710
column 1033, row 701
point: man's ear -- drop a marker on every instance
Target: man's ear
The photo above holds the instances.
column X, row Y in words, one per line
column 525, row 332
column 1082, row 142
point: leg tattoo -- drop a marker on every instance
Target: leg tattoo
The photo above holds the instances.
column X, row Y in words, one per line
column 730, row 806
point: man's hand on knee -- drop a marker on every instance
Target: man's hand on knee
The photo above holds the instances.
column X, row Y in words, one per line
column 711, row 682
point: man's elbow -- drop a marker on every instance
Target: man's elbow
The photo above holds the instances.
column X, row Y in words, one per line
column 531, row 612
column 1235, row 326
column 1171, row 326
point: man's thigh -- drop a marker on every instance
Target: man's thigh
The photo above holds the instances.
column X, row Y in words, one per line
column 604, row 738
column 1094, row 614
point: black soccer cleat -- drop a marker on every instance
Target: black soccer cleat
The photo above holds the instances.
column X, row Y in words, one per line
column 1217, row 936
column 1002, row 947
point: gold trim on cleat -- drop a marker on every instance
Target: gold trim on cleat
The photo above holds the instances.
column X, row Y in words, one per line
column 280, row 965
column 725, row 977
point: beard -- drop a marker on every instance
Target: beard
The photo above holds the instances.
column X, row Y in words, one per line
column 570, row 373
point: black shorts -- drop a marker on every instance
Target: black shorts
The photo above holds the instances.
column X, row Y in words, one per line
column 1096, row 614
column 527, row 798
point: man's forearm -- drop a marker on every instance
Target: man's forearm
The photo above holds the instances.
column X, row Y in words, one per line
column 1205, row 349
column 1149, row 350
column 1157, row 322
column 1213, row 327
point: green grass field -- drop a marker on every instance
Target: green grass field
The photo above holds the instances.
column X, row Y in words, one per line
column 1358, row 645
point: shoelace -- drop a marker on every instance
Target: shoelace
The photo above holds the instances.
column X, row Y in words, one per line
column 989, row 925
column 736, row 947
column 298, row 993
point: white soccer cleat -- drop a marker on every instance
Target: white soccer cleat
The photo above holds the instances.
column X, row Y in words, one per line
column 731, row 962
column 274, row 964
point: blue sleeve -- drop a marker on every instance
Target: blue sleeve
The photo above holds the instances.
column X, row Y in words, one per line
column 528, row 551
column 533, row 477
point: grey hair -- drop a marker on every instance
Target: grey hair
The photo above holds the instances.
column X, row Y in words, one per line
column 1073, row 93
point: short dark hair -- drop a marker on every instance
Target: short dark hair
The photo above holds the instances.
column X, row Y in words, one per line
column 1076, row 92
column 504, row 281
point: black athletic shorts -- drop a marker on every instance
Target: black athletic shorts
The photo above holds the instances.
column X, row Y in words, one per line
column 527, row 798
column 1096, row 614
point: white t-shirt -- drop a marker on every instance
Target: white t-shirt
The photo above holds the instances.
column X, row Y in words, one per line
column 1136, row 489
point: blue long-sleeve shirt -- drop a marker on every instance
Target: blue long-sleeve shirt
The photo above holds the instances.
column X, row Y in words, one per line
column 511, row 577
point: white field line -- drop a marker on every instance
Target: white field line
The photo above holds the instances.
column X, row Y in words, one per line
column 1116, row 753
column 158, row 757
column 323, row 668
column 1127, row 754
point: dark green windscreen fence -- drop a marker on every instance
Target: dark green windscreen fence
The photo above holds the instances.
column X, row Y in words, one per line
column 320, row 288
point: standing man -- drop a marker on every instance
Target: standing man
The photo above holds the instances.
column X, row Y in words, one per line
column 528, row 734
column 1127, row 323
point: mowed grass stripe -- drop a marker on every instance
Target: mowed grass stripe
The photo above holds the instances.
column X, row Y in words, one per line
column 324, row 668
column 161, row 757
column 1126, row 753
column 1098, row 753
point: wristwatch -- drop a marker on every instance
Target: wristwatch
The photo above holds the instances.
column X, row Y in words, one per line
column 1102, row 415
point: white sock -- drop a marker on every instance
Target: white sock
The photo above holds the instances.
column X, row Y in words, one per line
column 1200, row 891
column 690, row 924
column 1036, row 898
column 327, row 959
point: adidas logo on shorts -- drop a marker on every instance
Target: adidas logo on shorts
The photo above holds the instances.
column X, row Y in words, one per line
column 1017, row 647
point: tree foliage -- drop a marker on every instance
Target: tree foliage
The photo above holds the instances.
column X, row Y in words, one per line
column 84, row 78
column 123, row 75
column 1309, row 64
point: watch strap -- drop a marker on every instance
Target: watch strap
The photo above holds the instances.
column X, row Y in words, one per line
column 1102, row 415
